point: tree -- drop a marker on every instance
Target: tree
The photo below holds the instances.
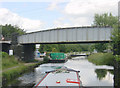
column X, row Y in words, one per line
column 116, row 42
column 63, row 48
column 91, row 48
column 41, row 49
column 100, row 47
column 104, row 20
column 8, row 30
column 54, row 50
column 48, row 48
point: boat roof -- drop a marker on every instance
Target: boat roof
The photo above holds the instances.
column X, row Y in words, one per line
column 51, row 78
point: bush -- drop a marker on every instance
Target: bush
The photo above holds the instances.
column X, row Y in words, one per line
column 5, row 55
column 46, row 59
column 8, row 61
column 11, row 74
column 101, row 58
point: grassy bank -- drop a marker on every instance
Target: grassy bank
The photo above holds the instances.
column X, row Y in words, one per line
column 12, row 68
column 9, row 61
column 101, row 59
column 13, row 73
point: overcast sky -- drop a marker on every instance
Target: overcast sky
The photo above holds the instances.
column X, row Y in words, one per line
column 47, row 14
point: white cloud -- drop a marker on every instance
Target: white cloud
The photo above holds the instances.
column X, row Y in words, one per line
column 80, row 21
column 60, row 23
column 81, row 12
column 75, row 13
column 8, row 17
column 32, row 0
column 82, row 7
column 54, row 4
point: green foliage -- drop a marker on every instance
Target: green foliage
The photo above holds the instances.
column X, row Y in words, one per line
column 10, row 74
column 63, row 48
column 48, row 53
column 13, row 73
column 8, row 30
column 46, row 59
column 101, row 58
column 5, row 55
column 54, row 50
column 84, row 47
column 8, row 61
column 16, row 72
column 41, row 48
column 13, row 68
column 117, row 57
column 105, row 20
column 101, row 73
column 100, row 47
column 116, row 40
column 91, row 48
column 48, row 48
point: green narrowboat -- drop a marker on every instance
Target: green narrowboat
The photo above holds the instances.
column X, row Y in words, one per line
column 57, row 58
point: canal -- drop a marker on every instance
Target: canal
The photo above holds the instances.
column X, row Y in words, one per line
column 90, row 74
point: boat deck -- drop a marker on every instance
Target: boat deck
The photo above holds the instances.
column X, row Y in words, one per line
column 52, row 78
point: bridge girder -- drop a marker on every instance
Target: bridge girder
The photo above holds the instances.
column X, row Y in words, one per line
column 68, row 36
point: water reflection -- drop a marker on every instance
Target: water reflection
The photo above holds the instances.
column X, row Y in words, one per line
column 90, row 74
column 27, row 78
column 101, row 73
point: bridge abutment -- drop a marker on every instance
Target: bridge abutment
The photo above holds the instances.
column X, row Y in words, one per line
column 5, row 47
column 24, row 52
column 28, row 52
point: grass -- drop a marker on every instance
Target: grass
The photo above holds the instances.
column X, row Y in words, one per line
column 12, row 68
column 102, row 59
column 9, row 61
column 11, row 74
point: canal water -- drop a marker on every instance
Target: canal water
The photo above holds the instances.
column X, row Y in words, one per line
column 90, row 74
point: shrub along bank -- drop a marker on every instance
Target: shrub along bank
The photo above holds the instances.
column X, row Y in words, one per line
column 11, row 74
column 12, row 68
column 9, row 61
column 101, row 59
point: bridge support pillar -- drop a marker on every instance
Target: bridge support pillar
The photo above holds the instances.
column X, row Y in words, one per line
column 28, row 52
column 5, row 47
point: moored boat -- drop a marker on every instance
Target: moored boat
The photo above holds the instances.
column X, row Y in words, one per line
column 60, row 78
column 57, row 58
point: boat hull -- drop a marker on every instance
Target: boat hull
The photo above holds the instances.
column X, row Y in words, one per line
column 57, row 61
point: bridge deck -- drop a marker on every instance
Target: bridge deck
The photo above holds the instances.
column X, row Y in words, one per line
column 68, row 35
